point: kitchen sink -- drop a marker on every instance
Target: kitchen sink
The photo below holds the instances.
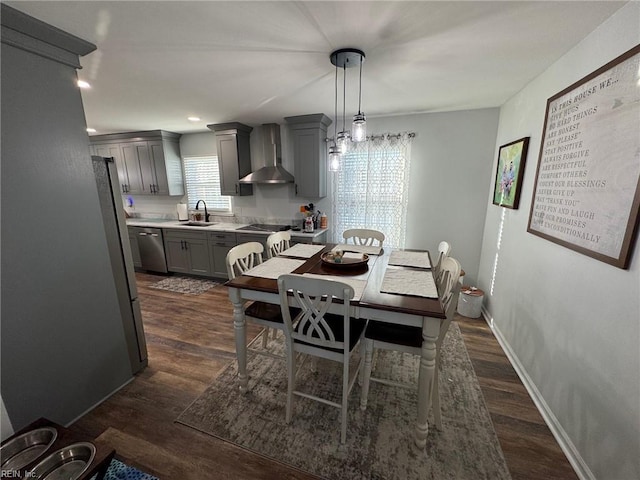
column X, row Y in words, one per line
column 199, row 224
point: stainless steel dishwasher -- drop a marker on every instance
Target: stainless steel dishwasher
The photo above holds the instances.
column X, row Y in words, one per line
column 151, row 247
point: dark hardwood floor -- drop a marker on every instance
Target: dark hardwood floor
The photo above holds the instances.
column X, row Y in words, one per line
column 190, row 340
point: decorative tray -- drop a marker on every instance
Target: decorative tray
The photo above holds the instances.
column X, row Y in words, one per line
column 329, row 258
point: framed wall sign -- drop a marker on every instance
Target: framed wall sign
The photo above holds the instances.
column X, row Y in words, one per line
column 587, row 186
column 509, row 173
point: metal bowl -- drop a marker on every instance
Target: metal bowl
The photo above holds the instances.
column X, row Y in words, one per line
column 68, row 463
column 24, row 449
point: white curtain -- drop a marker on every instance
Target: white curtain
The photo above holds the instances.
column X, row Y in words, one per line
column 371, row 190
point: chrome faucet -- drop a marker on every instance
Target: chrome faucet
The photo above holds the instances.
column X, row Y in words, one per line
column 206, row 214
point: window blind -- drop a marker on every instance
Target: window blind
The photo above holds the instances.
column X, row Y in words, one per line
column 202, row 179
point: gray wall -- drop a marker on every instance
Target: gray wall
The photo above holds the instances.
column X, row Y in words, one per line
column 62, row 342
column 570, row 323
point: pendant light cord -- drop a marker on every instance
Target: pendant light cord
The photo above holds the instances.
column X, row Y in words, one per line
column 335, row 110
column 360, row 86
column 344, row 94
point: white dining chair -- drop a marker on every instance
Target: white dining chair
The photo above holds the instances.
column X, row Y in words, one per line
column 244, row 257
column 444, row 250
column 277, row 243
column 407, row 339
column 363, row 236
column 314, row 331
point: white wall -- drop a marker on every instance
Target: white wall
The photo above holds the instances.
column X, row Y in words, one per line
column 570, row 322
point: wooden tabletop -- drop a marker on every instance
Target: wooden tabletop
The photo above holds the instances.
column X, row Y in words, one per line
column 373, row 272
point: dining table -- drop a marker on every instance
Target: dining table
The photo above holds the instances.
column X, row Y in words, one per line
column 369, row 303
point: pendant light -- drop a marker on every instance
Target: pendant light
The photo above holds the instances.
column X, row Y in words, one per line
column 334, row 151
column 345, row 58
column 359, row 120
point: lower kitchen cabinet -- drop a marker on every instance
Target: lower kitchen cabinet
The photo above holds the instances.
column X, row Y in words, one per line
column 321, row 238
column 219, row 245
column 262, row 238
column 204, row 253
column 135, row 249
column 254, row 237
column 187, row 252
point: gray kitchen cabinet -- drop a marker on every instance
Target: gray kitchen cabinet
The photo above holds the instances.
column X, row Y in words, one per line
column 322, row 238
column 187, row 252
column 115, row 151
column 135, row 154
column 148, row 162
column 254, row 237
column 166, row 167
column 309, row 134
column 219, row 245
column 234, row 157
column 135, row 249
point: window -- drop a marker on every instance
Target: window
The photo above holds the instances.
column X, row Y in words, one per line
column 202, row 179
column 371, row 190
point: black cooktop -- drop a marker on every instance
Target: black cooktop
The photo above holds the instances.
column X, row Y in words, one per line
column 265, row 227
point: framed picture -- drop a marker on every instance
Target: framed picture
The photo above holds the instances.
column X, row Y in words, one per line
column 587, row 189
column 509, row 173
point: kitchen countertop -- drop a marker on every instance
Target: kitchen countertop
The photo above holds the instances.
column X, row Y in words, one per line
column 216, row 227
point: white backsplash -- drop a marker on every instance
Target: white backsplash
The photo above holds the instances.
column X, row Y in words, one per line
column 165, row 208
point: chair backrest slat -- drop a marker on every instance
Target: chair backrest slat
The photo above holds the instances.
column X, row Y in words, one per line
column 444, row 250
column 312, row 321
column 314, row 297
column 243, row 257
column 277, row 243
column 449, row 279
column 363, row 236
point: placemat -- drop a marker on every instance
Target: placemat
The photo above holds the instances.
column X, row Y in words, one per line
column 404, row 258
column 274, row 267
column 302, row 250
column 357, row 285
column 402, row 281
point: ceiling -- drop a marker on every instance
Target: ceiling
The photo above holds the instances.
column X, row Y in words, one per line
column 159, row 62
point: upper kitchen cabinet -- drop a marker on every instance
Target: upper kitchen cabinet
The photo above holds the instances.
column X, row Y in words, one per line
column 308, row 134
column 234, row 157
column 148, row 162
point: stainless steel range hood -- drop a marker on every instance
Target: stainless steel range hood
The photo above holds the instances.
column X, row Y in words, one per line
column 272, row 172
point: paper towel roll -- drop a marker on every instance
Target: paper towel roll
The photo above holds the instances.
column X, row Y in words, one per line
column 182, row 212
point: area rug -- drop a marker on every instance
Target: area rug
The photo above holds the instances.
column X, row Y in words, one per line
column 379, row 440
column 179, row 284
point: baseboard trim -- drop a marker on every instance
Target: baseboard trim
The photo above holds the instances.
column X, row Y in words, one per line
column 99, row 402
column 567, row 446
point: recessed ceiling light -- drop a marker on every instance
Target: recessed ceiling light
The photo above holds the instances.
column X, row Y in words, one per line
column 193, row 119
column 91, row 130
column 83, row 84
